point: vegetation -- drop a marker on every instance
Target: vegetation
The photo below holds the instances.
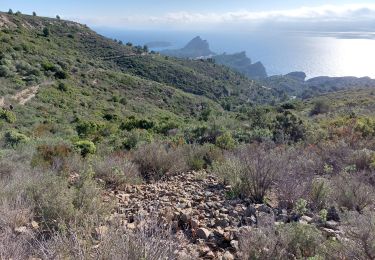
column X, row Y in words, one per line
column 83, row 117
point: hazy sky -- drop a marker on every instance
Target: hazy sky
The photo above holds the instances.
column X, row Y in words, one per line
column 317, row 15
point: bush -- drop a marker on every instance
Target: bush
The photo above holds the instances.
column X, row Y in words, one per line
column 352, row 193
column 8, row 116
column 135, row 138
column 157, row 159
column 225, row 141
column 55, row 157
column 319, row 194
column 133, row 123
column 85, row 147
column 116, row 171
column 13, row 138
column 320, row 107
column 230, row 172
column 259, row 167
column 200, row 157
column 288, row 127
column 4, row 71
column 288, row 241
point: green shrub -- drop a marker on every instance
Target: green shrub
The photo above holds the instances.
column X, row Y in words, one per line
column 13, row 138
column 136, row 137
column 319, row 195
column 8, row 116
column 85, row 147
column 226, row 141
column 4, row 71
column 301, row 207
column 320, row 107
column 88, row 128
column 300, row 240
column 200, row 157
column 135, row 123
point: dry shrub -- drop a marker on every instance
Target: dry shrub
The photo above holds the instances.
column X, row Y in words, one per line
column 352, row 192
column 360, row 231
column 150, row 242
column 301, row 165
column 252, row 170
column 116, row 170
column 336, row 154
column 156, row 160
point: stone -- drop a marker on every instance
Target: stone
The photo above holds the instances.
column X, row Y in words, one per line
column 250, row 211
column 234, row 244
column 221, row 223
column 307, row 219
column 194, row 223
column 21, row 230
column 203, row 233
column 227, row 256
column 185, row 216
column 264, row 208
column 332, row 224
column 34, row 225
column 131, row 226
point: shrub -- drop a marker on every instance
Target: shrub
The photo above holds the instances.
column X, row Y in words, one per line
column 319, row 194
column 55, row 157
column 4, row 71
column 230, row 172
column 116, row 171
column 320, row 107
column 157, row 159
column 200, row 157
column 259, row 169
column 133, row 123
column 288, row 127
column 300, row 240
column 88, row 128
column 63, row 87
column 360, row 230
column 85, row 147
column 288, row 241
column 301, row 207
column 46, row 32
column 135, row 138
column 8, row 116
column 352, row 193
column 13, row 138
column 225, row 141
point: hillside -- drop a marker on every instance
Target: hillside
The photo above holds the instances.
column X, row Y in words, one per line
column 109, row 151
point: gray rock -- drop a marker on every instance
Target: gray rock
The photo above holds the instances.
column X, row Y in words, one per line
column 203, row 233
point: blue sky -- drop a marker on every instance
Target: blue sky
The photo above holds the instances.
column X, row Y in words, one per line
column 181, row 14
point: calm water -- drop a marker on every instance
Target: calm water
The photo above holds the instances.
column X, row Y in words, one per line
column 280, row 53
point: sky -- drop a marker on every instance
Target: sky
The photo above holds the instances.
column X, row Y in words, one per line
column 291, row 15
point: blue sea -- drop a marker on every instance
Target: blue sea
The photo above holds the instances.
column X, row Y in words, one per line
column 317, row 54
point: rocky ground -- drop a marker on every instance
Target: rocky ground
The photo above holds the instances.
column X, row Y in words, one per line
column 200, row 212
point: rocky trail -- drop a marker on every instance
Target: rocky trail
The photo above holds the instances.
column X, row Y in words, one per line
column 199, row 210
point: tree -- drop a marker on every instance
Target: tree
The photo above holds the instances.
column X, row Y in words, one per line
column 58, row 17
column 129, row 44
column 10, row 11
column 145, row 48
column 34, row 13
column 46, row 32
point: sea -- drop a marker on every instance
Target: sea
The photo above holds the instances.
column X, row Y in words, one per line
column 334, row 54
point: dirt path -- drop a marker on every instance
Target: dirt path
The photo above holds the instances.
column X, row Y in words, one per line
column 23, row 96
column 26, row 95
